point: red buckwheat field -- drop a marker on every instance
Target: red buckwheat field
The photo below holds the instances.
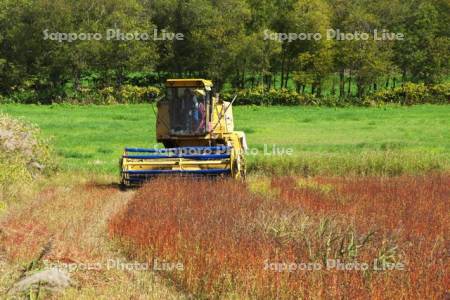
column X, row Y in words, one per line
column 302, row 238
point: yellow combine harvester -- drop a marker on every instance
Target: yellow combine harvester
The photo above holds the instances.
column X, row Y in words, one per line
column 197, row 131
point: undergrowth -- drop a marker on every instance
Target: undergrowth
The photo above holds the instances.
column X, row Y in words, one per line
column 24, row 155
column 370, row 163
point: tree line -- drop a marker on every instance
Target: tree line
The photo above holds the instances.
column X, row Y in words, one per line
column 228, row 41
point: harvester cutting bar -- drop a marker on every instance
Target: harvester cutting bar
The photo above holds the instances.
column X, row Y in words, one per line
column 140, row 164
column 180, row 149
column 200, row 157
column 205, row 172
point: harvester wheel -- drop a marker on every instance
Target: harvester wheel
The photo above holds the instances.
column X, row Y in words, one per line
column 239, row 167
column 122, row 186
column 243, row 167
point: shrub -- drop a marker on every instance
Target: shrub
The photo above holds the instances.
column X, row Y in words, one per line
column 128, row 94
column 108, row 95
column 272, row 97
column 24, row 153
column 135, row 94
column 441, row 92
column 411, row 93
column 408, row 94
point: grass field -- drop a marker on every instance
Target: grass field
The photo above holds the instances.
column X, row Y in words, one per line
column 389, row 140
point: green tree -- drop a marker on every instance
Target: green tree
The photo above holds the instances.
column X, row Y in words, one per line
column 424, row 54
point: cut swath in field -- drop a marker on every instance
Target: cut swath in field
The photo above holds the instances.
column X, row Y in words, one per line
column 69, row 217
column 224, row 235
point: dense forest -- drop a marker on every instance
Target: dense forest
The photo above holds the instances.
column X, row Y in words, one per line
column 58, row 48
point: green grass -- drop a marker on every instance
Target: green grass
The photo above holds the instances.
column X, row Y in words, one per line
column 388, row 140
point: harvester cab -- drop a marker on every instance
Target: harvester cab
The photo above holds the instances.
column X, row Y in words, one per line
column 197, row 131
